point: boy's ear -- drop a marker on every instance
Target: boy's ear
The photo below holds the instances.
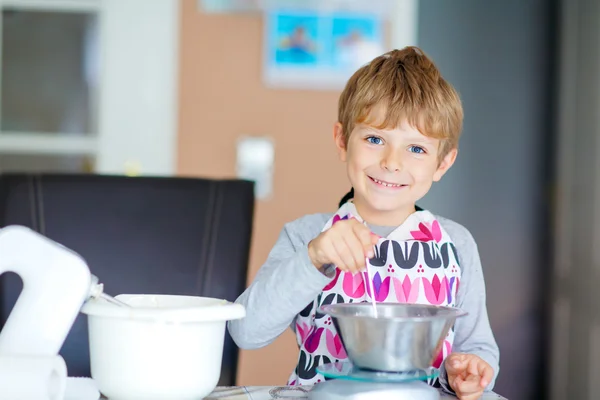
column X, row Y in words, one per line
column 445, row 164
column 340, row 142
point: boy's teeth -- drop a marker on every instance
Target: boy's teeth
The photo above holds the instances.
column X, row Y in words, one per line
column 386, row 184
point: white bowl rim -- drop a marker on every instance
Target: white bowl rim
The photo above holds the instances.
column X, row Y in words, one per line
column 221, row 310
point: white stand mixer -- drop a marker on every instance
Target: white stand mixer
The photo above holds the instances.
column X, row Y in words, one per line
column 56, row 283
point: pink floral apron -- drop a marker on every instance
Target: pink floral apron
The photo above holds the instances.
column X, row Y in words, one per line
column 416, row 263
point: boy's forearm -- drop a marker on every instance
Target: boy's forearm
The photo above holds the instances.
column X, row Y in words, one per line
column 281, row 289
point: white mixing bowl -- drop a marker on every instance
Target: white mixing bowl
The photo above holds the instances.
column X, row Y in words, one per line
column 164, row 347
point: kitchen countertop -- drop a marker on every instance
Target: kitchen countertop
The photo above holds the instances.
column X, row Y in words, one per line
column 282, row 392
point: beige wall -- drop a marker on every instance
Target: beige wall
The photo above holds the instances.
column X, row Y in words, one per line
column 221, row 98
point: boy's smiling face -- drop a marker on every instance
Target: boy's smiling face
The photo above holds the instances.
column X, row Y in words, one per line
column 390, row 169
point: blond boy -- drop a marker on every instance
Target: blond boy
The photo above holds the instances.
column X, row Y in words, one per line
column 398, row 129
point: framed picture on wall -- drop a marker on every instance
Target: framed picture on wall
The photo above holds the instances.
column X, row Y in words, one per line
column 316, row 49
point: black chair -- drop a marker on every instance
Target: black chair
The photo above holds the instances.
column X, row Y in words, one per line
column 138, row 235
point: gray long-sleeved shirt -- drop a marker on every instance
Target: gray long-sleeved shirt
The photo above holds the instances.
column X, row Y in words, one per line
column 288, row 281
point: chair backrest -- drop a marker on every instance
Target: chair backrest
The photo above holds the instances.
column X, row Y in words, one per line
column 138, row 235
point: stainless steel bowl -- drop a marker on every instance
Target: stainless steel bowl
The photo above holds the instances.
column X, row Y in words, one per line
column 403, row 337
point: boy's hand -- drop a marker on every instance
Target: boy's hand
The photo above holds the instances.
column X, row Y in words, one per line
column 468, row 375
column 345, row 245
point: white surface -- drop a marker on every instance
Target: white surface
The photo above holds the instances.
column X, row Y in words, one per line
column 138, row 96
column 255, row 158
column 405, row 23
column 56, row 282
column 165, row 347
column 43, row 143
column 81, row 389
column 29, row 377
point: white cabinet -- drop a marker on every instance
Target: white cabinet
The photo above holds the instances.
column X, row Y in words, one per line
column 89, row 84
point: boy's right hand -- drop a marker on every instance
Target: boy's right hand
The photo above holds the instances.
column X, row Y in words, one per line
column 346, row 245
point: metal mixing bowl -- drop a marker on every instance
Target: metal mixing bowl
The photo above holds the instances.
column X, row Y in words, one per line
column 403, row 337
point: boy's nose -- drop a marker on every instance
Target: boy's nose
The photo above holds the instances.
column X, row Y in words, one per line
column 391, row 162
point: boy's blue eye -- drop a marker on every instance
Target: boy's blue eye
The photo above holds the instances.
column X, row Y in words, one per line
column 374, row 140
column 416, row 150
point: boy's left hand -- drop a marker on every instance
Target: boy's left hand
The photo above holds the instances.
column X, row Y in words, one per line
column 468, row 375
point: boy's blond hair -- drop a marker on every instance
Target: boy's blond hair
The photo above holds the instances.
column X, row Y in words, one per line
column 410, row 88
